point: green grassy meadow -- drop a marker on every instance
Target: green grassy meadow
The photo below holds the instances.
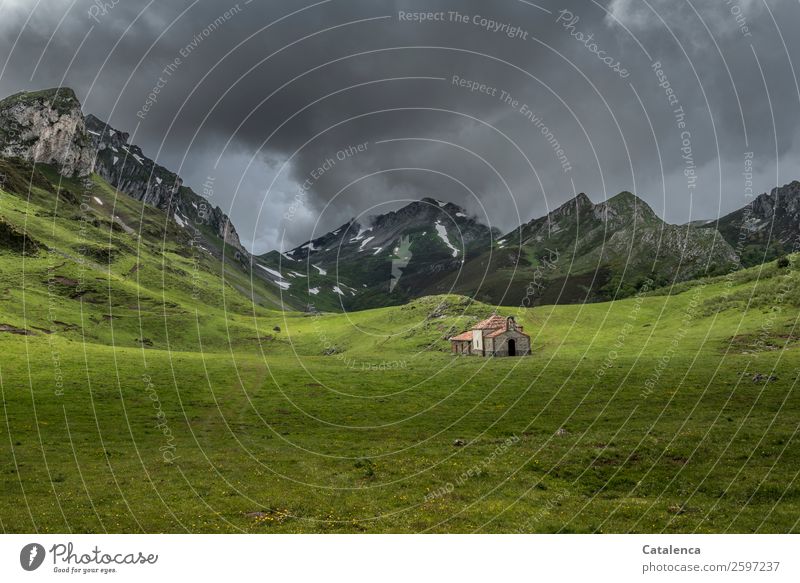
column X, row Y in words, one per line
column 142, row 393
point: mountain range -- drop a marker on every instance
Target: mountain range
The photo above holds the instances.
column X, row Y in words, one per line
column 579, row 252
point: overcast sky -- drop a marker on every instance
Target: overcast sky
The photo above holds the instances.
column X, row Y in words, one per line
column 261, row 94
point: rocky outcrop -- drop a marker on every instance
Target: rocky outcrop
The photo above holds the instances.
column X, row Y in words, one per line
column 766, row 228
column 46, row 127
column 625, row 208
column 125, row 167
column 225, row 229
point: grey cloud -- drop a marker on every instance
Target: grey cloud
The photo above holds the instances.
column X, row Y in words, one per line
column 727, row 17
column 211, row 116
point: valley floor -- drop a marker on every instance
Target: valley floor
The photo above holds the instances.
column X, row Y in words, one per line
column 645, row 415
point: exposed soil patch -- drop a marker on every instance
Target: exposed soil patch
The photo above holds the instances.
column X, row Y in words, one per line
column 17, row 176
column 102, row 253
column 45, row 330
column 15, row 330
column 65, row 281
column 747, row 343
column 15, row 240
column 69, row 197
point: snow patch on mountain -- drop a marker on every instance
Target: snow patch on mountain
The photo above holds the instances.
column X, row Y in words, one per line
column 271, row 271
column 442, row 231
column 361, row 232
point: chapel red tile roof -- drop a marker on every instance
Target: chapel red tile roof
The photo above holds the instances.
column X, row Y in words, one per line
column 497, row 332
column 503, row 330
column 491, row 323
column 497, row 324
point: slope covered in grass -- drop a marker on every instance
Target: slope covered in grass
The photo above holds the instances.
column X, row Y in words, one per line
column 104, row 268
column 671, row 411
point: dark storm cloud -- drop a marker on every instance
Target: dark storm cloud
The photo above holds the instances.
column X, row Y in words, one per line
column 268, row 97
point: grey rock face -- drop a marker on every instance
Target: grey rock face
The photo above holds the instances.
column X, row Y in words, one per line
column 46, row 127
column 124, row 166
column 767, row 227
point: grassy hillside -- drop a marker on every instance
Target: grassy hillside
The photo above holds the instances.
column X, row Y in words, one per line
column 104, row 268
column 139, row 401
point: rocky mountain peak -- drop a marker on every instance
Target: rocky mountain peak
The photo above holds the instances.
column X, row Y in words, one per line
column 777, row 213
column 127, row 168
column 787, row 197
column 63, row 99
column 625, row 207
column 426, row 209
column 781, row 200
column 46, row 127
column 582, row 200
column 96, row 126
column 787, row 190
column 426, row 217
column 578, row 204
column 436, row 203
